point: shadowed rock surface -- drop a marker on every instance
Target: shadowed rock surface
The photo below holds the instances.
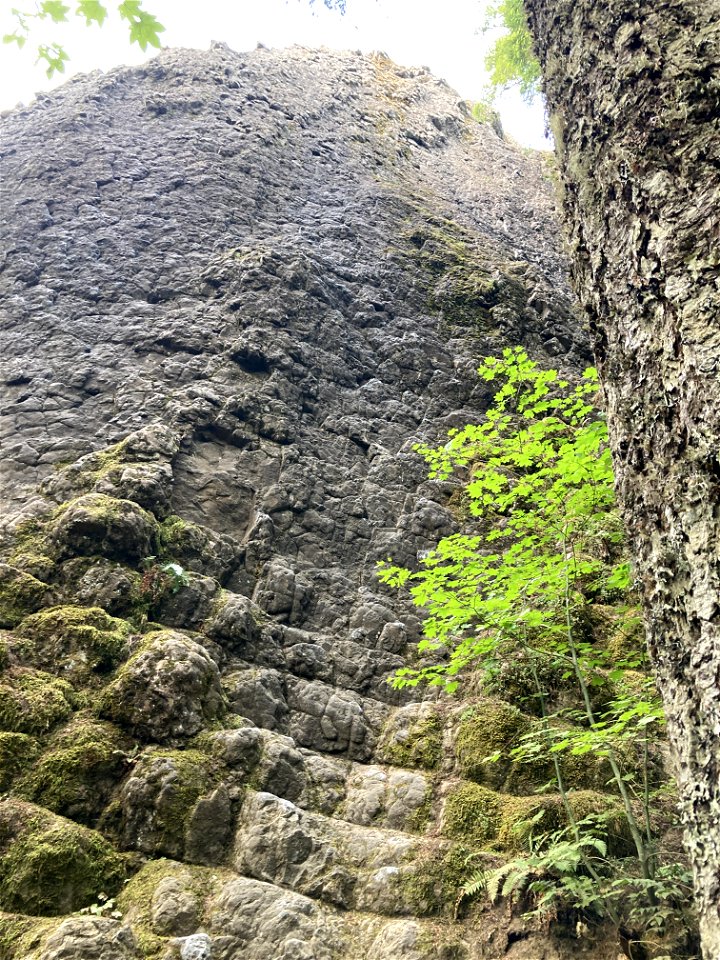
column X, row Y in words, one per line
column 236, row 289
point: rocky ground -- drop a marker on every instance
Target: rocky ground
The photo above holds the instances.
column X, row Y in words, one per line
column 236, row 290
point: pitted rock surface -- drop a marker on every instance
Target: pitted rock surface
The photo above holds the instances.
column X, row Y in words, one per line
column 236, row 290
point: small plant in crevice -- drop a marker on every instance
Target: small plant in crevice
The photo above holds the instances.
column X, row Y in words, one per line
column 160, row 580
column 104, row 907
column 542, row 543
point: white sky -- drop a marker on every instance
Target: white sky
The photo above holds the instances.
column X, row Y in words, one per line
column 440, row 34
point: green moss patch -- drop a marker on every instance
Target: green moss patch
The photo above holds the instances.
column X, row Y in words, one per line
column 75, row 640
column 17, row 752
column 432, row 887
column 464, row 282
column 78, row 771
column 21, row 936
column 418, row 746
column 33, row 702
column 490, row 728
column 501, row 821
column 20, row 594
column 50, row 865
column 137, row 899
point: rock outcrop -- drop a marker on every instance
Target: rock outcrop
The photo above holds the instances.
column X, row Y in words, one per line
column 236, row 290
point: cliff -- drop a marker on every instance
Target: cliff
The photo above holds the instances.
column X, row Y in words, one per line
column 236, row 290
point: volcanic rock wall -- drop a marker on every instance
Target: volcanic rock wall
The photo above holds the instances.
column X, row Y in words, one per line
column 236, row 289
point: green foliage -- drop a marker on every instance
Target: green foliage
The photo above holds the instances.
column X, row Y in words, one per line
column 144, row 28
column 161, row 579
column 560, row 871
column 541, row 492
column 511, row 62
column 542, row 541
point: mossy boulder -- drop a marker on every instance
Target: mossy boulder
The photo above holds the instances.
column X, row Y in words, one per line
column 75, row 641
column 197, row 548
column 20, row 594
column 413, row 738
column 168, row 899
column 478, row 815
column 17, row 752
column 95, row 524
column 431, row 886
column 32, row 701
column 77, row 772
column 22, row 937
column 491, row 729
column 49, row 865
column 473, row 813
column 153, row 809
column 104, row 583
column 167, row 691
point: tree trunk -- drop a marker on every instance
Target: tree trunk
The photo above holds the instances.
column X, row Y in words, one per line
column 633, row 89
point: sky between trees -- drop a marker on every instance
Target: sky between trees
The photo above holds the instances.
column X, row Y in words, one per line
column 443, row 36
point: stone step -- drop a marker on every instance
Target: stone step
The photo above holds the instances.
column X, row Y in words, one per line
column 347, row 865
column 267, row 921
column 365, row 794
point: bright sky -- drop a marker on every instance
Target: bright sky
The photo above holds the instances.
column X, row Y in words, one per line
column 440, row 34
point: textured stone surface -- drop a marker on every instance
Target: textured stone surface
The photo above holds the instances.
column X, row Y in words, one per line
column 236, row 290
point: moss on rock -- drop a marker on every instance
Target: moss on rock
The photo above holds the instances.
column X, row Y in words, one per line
column 77, row 772
column 464, row 282
column 17, row 752
column 431, row 888
column 420, row 745
column 75, row 640
column 20, row 594
column 492, row 728
column 501, row 821
column 50, row 865
column 32, row 701
column 167, row 691
column 98, row 525
column 154, row 807
column 21, row 936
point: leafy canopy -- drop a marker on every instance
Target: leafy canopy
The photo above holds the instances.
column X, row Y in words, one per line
column 144, row 28
column 511, row 62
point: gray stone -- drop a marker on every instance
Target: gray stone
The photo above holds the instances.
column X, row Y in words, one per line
column 95, row 524
column 259, row 696
column 167, row 690
column 232, row 302
column 197, row 946
column 175, row 908
column 90, row 938
column 234, row 625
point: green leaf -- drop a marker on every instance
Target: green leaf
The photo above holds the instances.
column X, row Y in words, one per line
column 93, row 11
column 55, row 57
column 144, row 27
column 17, row 38
column 54, row 9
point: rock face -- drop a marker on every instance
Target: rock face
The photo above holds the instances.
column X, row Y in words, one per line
column 236, row 289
